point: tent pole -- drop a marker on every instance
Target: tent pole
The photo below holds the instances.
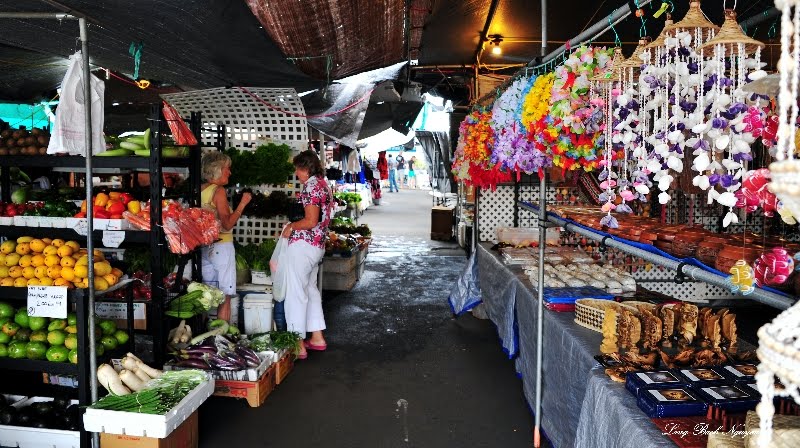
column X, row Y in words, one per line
column 87, row 116
column 544, row 27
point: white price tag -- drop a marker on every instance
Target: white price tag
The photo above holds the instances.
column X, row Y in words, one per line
column 47, row 301
column 118, row 310
column 113, row 238
column 82, row 227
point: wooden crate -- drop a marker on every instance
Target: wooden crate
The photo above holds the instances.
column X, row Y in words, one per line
column 443, row 236
column 285, row 365
column 255, row 392
column 187, row 435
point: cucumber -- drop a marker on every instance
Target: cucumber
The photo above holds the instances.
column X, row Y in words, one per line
column 142, row 152
column 132, row 146
column 116, row 152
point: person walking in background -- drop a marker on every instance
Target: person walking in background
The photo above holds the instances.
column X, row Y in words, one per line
column 303, row 303
column 412, row 176
column 392, row 175
column 401, row 169
column 219, row 259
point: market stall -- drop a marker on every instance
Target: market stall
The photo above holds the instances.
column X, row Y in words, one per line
column 652, row 172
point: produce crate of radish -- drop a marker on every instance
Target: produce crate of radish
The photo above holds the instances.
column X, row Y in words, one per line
column 144, row 401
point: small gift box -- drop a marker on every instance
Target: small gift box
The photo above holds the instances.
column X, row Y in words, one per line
column 676, row 402
column 740, row 373
column 702, row 377
column 658, row 379
column 729, row 397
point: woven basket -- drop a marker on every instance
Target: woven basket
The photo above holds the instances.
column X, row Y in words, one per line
column 589, row 313
column 731, row 35
column 694, row 18
column 634, row 61
column 784, row 431
column 612, row 72
column 659, row 42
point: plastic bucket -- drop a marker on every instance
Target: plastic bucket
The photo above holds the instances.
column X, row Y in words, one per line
column 257, row 313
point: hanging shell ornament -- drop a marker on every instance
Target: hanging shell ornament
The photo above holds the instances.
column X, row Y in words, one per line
column 742, row 278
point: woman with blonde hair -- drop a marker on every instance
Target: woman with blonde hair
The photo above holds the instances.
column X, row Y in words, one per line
column 219, row 259
column 303, row 303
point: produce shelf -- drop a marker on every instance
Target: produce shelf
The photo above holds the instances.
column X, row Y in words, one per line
column 131, row 236
column 97, row 162
column 29, row 365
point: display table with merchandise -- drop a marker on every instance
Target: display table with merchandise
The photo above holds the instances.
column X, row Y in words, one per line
column 574, row 392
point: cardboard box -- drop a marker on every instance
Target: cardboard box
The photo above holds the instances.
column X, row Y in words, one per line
column 255, row 392
column 442, row 220
column 118, row 312
column 187, row 435
column 285, row 365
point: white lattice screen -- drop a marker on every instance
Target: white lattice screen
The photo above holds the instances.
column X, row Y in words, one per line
column 247, row 122
column 246, row 119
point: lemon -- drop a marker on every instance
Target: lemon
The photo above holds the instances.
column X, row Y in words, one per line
column 58, row 242
column 67, row 273
column 41, row 272
column 37, row 260
column 64, row 251
column 28, row 272
column 51, row 260
column 37, row 245
column 54, row 272
column 19, row 282
column 81, row 271
column 25, row 261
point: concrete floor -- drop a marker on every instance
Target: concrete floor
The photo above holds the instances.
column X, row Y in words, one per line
column 399, row 371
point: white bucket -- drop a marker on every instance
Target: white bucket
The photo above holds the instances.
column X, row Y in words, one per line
column 257, row 313
column 234, row 311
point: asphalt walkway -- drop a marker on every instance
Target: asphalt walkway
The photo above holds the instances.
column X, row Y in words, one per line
column 399, row 371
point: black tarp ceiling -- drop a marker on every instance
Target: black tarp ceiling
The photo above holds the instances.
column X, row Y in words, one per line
column 190, row 43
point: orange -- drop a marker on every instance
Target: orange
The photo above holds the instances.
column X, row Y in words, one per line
column 102, row 268
column 117, row 272
column 47, row 241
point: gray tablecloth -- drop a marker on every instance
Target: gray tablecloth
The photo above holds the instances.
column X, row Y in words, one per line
column 581, row 407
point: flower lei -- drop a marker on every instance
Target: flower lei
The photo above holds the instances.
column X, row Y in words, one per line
column 509, row 134
column 471, row 162
column 575, row 121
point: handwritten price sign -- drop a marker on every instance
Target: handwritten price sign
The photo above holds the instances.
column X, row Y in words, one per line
column 47, row 301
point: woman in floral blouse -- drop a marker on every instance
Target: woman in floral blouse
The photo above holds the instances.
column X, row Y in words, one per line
column 303, row 303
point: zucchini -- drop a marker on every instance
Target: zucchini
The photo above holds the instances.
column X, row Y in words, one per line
column 142, row 152
column 116, row 152
column 132, row 146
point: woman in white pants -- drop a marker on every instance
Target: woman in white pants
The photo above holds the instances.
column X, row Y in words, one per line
column 303, row 303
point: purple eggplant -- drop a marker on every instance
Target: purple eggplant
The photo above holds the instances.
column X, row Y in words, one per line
column 235, row 359
column 199, row 350
column 195, row 363
column 249, row 355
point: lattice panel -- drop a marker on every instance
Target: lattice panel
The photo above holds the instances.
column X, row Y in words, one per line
column 246, row 120
column 255, row 230
column 660, row 279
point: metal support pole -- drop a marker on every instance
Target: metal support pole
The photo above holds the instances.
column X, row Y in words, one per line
column 768, row 298
column 537, row 412
column 544, row 27
column 87, row 114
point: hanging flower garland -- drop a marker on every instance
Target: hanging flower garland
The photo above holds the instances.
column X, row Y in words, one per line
column 511, row 149
column 575, row 122
column 471, row 162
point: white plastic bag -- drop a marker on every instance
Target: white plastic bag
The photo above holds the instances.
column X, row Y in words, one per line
column 278, row 267
column 69, row 130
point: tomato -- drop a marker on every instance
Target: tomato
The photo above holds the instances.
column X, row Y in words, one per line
column 115, row 208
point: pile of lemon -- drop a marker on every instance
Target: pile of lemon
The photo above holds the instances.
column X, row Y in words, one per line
column 32, row 261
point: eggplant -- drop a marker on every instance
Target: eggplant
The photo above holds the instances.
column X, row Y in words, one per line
column 8, row 416
column 196, row 363
column 235, row 359
column 199, row 350
column 61, row 402
column 42, row 407
column 249, row 355
column 38, row 422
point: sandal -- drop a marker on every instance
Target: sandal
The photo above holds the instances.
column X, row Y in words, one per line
column 319, row 348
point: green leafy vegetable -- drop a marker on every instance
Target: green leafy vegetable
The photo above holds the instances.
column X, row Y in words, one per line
column 266, row 165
